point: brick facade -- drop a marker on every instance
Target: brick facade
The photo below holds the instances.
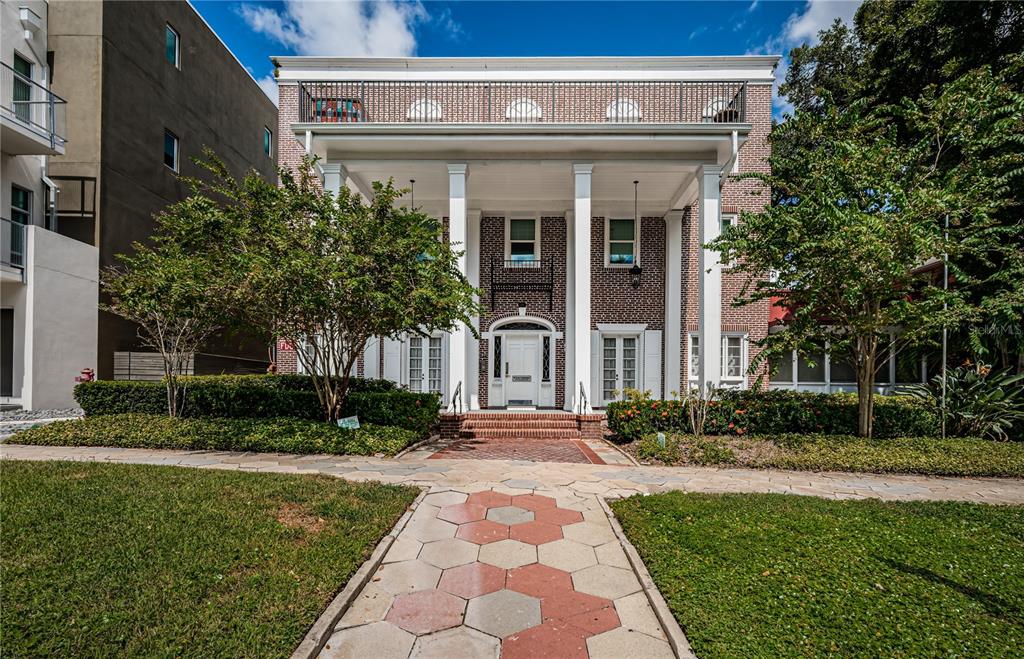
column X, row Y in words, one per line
column 613, row 300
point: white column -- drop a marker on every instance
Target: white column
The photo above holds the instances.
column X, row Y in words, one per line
column 673, row 301
column 472, row 385
column 570, row 310
column 334, row 176
column 710, row 322
column 582, row 174
column 457, row 361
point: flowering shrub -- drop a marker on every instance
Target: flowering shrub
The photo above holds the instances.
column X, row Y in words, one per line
column 742, row 412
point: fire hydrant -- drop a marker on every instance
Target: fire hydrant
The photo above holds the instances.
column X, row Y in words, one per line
column 88, row 375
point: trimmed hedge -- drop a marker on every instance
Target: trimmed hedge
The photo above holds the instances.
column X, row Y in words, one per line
column 275, row 435
column 262, row 396
column 775, row 412
column 816, row 452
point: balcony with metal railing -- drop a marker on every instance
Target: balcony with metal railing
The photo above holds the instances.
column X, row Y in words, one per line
column 12, row 247
column 523, row 102
column 33, row 118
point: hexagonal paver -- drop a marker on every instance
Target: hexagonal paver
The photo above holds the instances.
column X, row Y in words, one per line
column 426, row 611
column 459, row 642
column 533, row 501
column 538, row 580
column 522, row 483
column 636, row 614
column 381, row 639
column 595, row 622
column 565, row 605
column 370, row 606
column 473, row 580
column 606, row 581
column 428, row 530
column 552, row 639
column 622, row 642
column 510, row 515
column 482, row 532
column 508, row 554
column 611, row 554
column 589, row 533
column 449, row 553
column 449, row 498
column 406, row 577
column 560, row 516
column 535, row 533
column 489, row 498
column 566, row 555
column 461, row 513
column 502, row 613
column 403, row 549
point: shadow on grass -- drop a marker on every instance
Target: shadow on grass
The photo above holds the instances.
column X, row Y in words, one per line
column 994, row 604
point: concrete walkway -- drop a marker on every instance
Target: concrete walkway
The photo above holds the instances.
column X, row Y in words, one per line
column 518, row 559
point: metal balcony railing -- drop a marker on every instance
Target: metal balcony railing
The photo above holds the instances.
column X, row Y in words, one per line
column 12, row 243
column 522, row 276
column 558, row 102
column 26, row 101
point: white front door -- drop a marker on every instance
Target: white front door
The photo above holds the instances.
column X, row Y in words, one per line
column 618, row 366
column 426, row 368
column 521, row 370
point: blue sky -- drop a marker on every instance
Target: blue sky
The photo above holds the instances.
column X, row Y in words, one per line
column 256, row 30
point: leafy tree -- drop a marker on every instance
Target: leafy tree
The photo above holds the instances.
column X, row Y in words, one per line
column 326, row 273
column 174, row 290
column 863, row 211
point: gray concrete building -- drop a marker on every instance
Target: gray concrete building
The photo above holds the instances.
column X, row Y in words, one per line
column 149, row 86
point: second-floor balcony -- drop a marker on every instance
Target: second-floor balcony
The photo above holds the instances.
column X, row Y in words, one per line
column 523, row 102
column 34, row 119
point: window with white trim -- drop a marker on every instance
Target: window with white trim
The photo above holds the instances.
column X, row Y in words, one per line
column 620, row 241
column 522, row 240
column 726, row 223
column 171, row 150
column 733, row 358
column 268, row 141
column 172, row 46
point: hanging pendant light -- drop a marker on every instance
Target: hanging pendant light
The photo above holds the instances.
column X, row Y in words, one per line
column 412, row 193
column 636, row 271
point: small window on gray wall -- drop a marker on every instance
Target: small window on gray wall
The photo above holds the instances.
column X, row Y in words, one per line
column 268, row 141
column 172, row 46
column 171, row 150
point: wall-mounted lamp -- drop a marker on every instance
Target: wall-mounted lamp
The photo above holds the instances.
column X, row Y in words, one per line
column 412, row 193
column 636, row 271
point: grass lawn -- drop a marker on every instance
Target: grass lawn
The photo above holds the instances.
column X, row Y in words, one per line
column 104, row 559
column 921, row 455
column 772, row 575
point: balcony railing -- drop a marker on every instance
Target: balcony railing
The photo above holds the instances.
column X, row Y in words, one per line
column 12, row 244
column 27, row 102
column 559, row 102
column 530, row 276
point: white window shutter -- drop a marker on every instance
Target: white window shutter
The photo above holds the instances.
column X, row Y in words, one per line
column 594, row 393
column 393, row 360
column 371, row 358
column 652, row 363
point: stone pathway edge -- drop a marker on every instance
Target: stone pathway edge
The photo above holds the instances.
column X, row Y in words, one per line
column 676, row 635
column 318, row 635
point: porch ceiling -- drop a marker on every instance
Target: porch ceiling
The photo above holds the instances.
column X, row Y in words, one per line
column 536, row 185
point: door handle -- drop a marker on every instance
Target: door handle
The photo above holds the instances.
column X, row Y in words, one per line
column 506, row 369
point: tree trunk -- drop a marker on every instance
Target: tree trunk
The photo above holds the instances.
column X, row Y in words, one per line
column 864, row 361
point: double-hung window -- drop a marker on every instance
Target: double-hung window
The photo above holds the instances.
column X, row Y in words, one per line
column 726, row 224
column 620, row 243
column 733, row 358
column 523, row 245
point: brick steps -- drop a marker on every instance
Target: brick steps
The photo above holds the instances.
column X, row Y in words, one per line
column 520, row 425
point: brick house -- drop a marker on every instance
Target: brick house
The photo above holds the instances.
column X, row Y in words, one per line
column 581, row 190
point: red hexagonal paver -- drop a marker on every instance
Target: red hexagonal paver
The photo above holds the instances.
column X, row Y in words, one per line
column 426, row 611
column 489, row 498
column 596, row 622
column 533, row 501
column 538, row 580
column 472, row 580
column 552, row 639
column 560, row 516
column 482, row 532
column 535, row 533
column 462, row 513
column 566, row 605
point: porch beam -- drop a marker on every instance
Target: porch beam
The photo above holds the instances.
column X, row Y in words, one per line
column 582, row 175
column 673, row 301
column 457, row 236
column 710, row 288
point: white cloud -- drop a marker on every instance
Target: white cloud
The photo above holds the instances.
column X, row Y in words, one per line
column 354, row 28
column 800, row 28
column 269, row 86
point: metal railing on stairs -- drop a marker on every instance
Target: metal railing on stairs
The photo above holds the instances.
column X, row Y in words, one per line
column 456, row 402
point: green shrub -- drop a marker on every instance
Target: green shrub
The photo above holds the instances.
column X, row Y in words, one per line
column 978, row 401
column 273, row 435
column 741, row 412
column 261, row 396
